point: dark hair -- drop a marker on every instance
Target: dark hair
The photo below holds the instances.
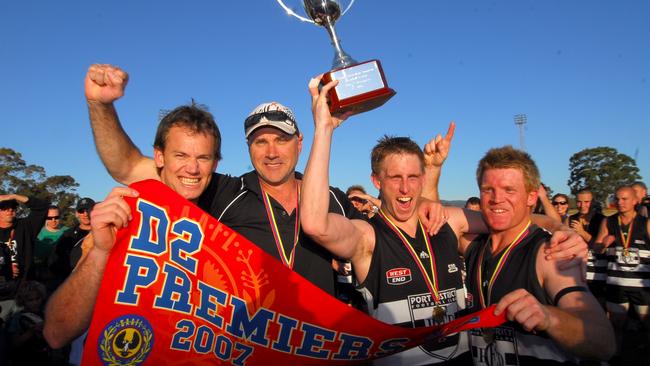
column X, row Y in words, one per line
column 53, row 207
column 194, row 117
column 507, row 157
column 388, row 145
column 473, row 201
column 355, row 187
column 566, row 198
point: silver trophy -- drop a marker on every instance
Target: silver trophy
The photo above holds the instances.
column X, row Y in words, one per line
column 362, row 86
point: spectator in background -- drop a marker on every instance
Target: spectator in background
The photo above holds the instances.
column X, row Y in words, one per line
column 560, row 202
column 473, row 203
column 587, row 220
column 24, row 329
column 363, row 202
column 17, row 236
column 68, row 250
column 586, row 223
column 625, row 235
column 641, row 192
column 45, row 243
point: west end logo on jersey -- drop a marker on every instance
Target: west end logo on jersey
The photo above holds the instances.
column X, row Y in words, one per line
column 398, row 276
column 127, row 340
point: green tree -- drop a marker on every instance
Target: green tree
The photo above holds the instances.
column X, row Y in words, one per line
column 31, row 180
column 601, row 169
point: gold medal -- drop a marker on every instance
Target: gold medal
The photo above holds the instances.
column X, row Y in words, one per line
column 626, row 237
column 488, row 335
column 438, row 313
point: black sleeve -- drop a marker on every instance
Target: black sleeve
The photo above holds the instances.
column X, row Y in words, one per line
column 37, row 214
column 594, row 225
column 219, row 193
column 339, row 203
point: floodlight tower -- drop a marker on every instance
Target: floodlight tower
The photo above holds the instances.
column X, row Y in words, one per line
column 520, row 121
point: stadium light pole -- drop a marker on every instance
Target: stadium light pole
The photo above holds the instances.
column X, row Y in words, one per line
column 520, row 121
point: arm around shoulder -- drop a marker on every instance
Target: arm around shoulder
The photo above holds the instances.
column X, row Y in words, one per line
column 576, row 316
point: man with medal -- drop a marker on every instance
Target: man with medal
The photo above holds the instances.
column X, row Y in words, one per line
column 552, row 317
column 627, row 242
column 409, row 276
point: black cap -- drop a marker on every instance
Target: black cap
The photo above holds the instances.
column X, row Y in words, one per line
column 85, row 203
column 8, row 204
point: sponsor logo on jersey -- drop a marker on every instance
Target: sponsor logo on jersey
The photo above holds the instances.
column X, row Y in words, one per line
column 421, row 311
column 126, row 340
column 398, row 276
column 451, row 268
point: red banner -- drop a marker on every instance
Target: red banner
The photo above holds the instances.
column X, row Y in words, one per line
column 180, row 288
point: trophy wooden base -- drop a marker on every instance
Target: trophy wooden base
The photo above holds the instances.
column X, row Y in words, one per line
column 362, row 87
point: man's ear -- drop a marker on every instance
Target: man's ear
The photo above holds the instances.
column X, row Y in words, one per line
column 299, row 137
column 159, row 158
column 532, row 199
column 375, row 181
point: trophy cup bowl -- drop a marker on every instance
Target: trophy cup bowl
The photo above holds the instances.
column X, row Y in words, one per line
column 362, row 85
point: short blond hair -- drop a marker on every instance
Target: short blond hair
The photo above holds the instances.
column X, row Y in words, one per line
column 507, row 157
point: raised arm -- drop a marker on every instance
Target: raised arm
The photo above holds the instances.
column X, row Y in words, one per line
column 104, row 84
column 435, row 154
column 549, row 210
column 342, row 237
column 80, row 289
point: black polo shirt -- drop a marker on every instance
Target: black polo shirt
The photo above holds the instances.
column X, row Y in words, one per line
column 238, row 203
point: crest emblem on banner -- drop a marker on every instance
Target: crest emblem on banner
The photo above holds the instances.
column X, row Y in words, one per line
column 127, row 340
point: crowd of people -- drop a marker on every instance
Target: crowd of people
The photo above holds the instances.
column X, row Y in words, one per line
column 38, row 254
column 495, row 251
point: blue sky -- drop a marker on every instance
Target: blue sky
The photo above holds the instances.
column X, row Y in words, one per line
column 579, row 69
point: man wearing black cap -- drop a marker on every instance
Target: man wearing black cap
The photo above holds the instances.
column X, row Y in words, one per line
column 69, row 248
column 262, row 205
column 17, row 235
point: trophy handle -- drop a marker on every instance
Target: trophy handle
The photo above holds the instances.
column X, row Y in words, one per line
column 304, row 19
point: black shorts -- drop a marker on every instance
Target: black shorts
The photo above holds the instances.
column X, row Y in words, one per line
column 632, row 295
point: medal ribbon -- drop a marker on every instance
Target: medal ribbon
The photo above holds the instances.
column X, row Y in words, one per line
column 625, row 237
column 502, row 261
column 432, row 283
column 288, row 262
